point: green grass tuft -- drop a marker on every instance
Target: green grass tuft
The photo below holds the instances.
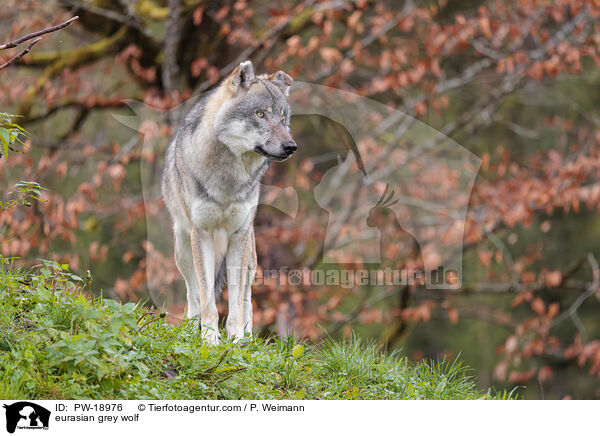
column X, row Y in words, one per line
column 57, row 344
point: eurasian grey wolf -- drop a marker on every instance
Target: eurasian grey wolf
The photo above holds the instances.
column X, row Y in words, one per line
column 210, row 184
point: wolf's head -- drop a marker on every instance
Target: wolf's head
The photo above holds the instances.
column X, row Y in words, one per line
column 253, row 113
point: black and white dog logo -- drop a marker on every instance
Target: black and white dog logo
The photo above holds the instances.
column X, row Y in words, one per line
column 26, row 415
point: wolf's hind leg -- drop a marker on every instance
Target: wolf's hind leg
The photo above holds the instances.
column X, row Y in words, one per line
column 204, row 263
column 185, row 264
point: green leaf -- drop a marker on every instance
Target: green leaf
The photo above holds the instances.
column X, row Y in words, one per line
column 297, row 351
column 5, row 139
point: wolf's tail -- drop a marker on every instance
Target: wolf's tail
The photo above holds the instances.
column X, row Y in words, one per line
column 221, row 278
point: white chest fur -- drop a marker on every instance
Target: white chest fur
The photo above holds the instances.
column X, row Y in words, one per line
column 211, row 217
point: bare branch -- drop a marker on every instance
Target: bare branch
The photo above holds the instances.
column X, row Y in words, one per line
column 36, row 34
column 592, row 289
column 70, row 59
column 170, row 67
column 367, row 41
column 107, row 13
column 265, row 42
column 20, row 55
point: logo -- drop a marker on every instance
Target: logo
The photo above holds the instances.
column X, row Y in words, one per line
column 26, row 415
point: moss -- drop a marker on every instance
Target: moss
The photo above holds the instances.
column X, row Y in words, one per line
column 58, row 61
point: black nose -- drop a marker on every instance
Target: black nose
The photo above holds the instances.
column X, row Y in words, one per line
column 289, row 147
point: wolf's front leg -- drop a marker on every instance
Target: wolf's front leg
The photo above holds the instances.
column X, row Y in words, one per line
column 238, row 257
column 252, row 265
column 204, row 263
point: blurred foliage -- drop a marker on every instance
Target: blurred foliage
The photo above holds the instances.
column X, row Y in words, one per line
column 10, row 133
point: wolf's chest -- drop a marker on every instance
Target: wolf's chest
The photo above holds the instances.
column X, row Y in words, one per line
column 211, row 216
column 235, row 182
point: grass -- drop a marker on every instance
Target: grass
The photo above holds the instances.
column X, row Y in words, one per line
column 57, row 344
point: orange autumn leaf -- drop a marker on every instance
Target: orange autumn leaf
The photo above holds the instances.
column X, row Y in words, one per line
column 538, row 306
column 553, row 279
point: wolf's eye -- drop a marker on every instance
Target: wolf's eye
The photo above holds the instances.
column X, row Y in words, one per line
column 260, row 114
column 282, row 120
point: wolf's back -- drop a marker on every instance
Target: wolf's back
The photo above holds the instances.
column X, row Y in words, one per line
column 174, row 168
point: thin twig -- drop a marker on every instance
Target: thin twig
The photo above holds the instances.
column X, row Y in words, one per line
column 367, row 304
column 592, row 289
column 129, row 20
column 146, row 314
column 251, row 50
column 230, row 374
column 150, row 321
column 215, row 366
column 38, row 33
column 20, row 55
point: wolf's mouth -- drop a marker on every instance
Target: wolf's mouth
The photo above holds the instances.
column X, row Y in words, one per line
column 261, row 151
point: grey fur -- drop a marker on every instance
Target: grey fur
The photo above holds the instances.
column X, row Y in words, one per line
column 221, row 278
column 211, row 180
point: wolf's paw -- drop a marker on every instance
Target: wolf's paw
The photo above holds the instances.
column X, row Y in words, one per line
column 238, row 334
column 211, row 336
column 195, row 322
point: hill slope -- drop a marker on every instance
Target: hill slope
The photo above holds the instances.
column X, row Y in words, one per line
column 55, row 343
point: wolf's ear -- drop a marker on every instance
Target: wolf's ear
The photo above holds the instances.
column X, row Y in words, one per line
column 242, row 76
column 283, row 81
